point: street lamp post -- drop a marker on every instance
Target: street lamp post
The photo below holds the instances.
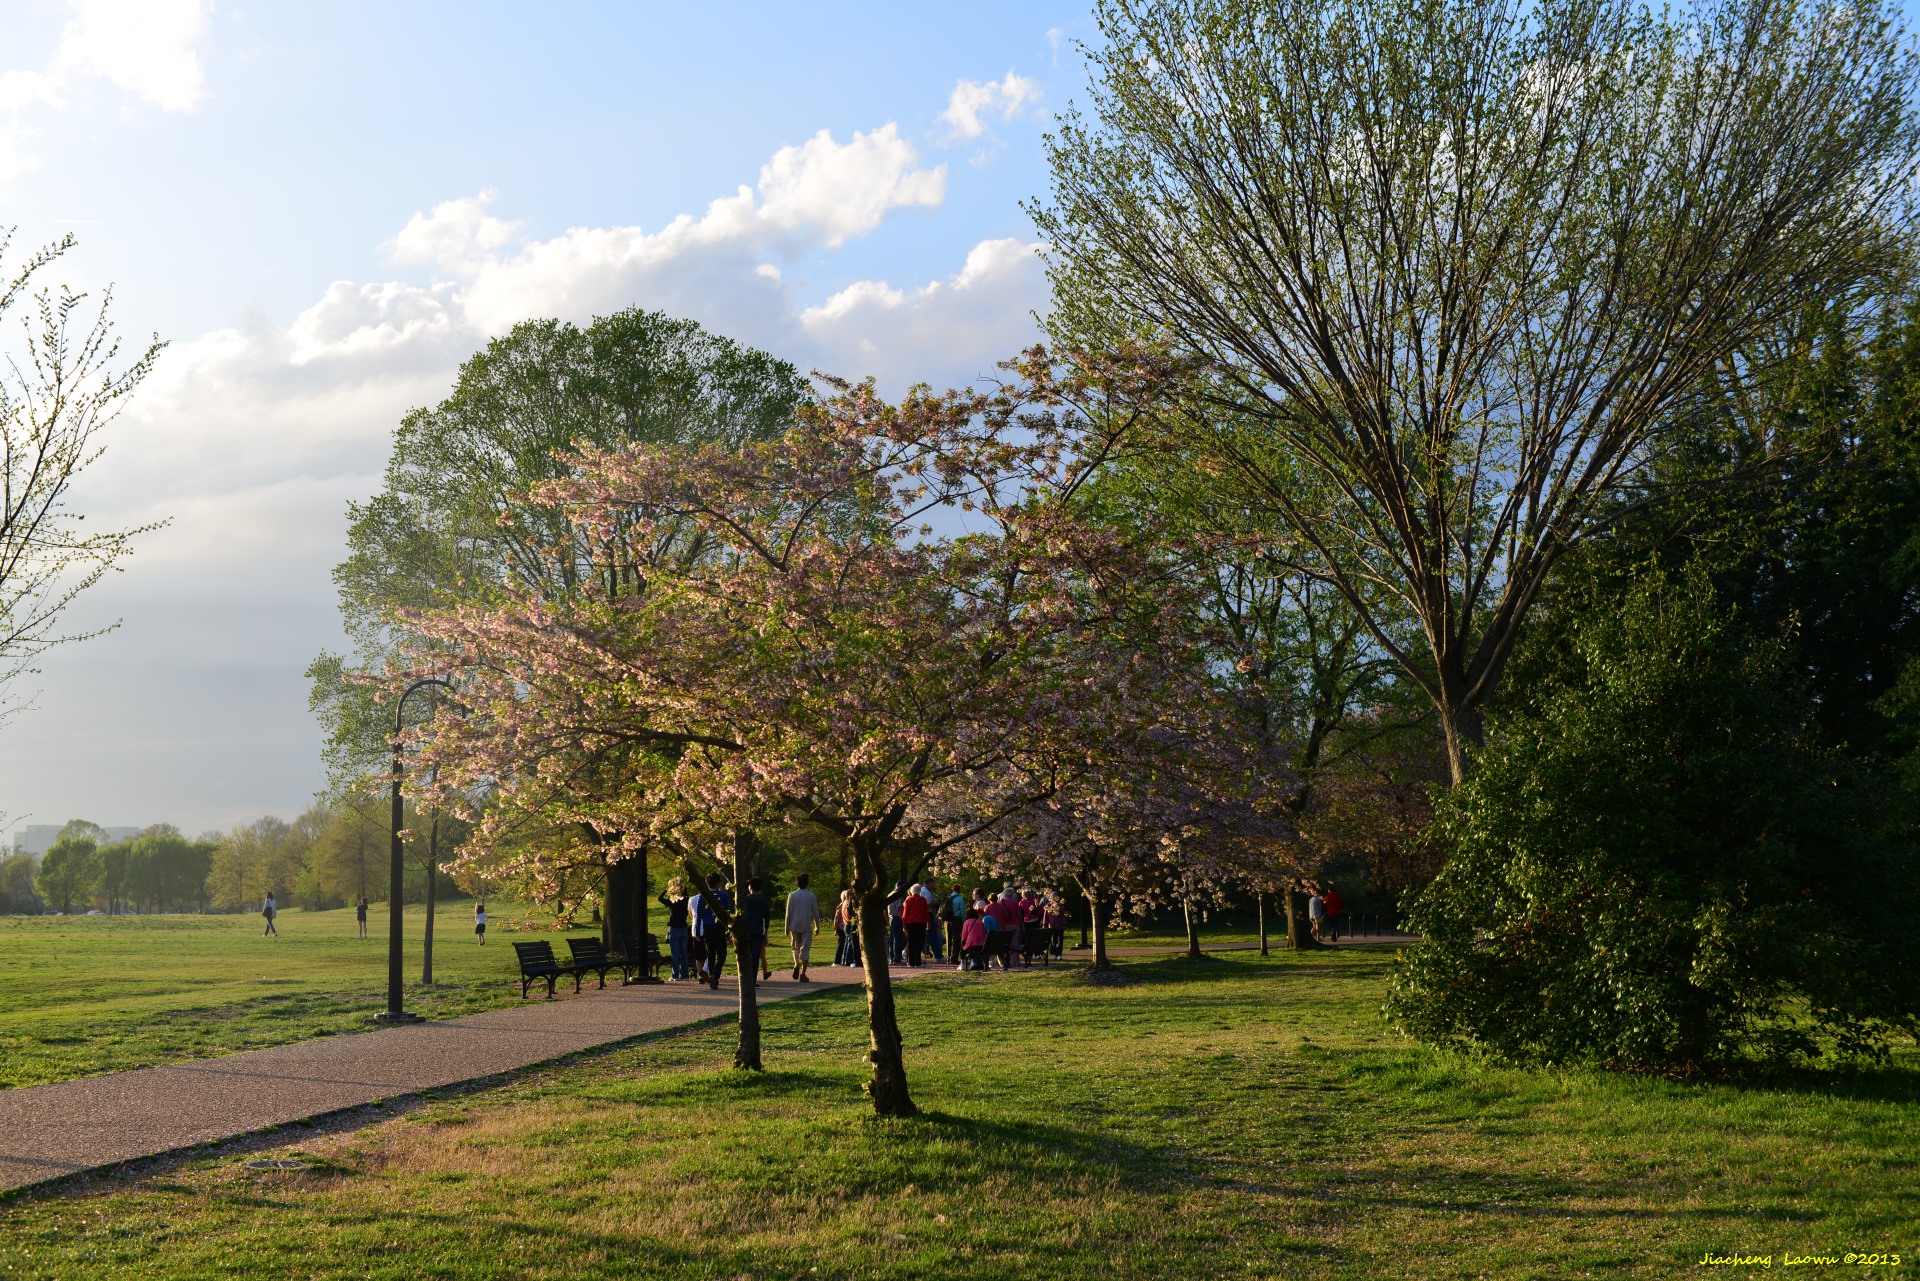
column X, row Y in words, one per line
column 393, row 1013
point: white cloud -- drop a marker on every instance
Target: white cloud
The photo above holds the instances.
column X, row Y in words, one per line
column 972, row 101
column 949, row 331
column 454, row 236
column 844, row 192
column 253, row 438
column 149, row 50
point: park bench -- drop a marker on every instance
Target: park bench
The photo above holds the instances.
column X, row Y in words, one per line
column 537, row 961
column 590, row 957
column 1037, row 941
column 640, row 954
column 1000, row 944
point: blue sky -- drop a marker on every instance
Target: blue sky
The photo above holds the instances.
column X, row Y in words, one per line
column 326, row 207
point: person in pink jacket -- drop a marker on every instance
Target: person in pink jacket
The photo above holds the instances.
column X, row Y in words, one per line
column 973, row 942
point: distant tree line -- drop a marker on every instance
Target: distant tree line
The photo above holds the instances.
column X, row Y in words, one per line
column 328, row 856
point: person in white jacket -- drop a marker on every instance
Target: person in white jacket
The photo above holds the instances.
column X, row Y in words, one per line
column 803, row 915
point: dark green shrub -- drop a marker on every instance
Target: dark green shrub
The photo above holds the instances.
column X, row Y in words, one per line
column 1654, row 864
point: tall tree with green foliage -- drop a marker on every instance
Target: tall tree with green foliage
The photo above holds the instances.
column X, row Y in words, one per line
column 69, row 871
column 1458, row 259
column 434, row 537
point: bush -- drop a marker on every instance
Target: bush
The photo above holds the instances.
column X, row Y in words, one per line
column 1655, row 866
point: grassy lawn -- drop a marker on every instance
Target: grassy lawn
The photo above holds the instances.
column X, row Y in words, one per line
column 80, row 995
column 1236, row 1118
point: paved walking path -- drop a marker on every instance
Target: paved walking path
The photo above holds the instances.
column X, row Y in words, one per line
column 50, row 1131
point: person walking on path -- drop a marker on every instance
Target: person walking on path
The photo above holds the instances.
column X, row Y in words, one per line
column 706, row 928
column 480, row 922
column 268, row 910
column 1335, row 906
column 678, row 935
column 803, row 916
column 755, row 914
column 360, row 914
column 915, row 916
column 1316, row 914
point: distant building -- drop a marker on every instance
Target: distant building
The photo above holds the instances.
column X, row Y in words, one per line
column 37, row 838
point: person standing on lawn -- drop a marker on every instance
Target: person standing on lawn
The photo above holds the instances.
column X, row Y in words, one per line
column 1317, row 914
column 268, row 910
column 1056, row 922
column 803, row 916
column 1335, row 906
column 360, row 914
column 480, row 922
column 915, row 916
column 678, row 935
column 896, row 927
column 936, row 937
column 952, row 913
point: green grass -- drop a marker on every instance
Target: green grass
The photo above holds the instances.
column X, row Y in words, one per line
column 80, row 995
column 1237, row 1118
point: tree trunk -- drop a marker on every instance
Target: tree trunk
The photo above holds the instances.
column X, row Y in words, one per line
column 888, row 1085
column 746, row 1051
column 1263, row 923
column 1100, row 961
column 1193, row 932
column 1465, row 729
column 426, row 931
column 1299, row 932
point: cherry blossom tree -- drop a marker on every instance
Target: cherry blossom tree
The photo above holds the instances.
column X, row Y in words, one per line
column 834, row 626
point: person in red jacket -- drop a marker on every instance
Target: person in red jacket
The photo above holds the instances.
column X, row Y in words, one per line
column 1335, row 906
column 915, row 915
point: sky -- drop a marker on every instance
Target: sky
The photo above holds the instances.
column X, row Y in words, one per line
column 324, row 209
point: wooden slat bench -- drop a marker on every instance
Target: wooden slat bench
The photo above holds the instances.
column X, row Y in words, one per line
column 640, row 954
column 590, row 957
column 537, row 961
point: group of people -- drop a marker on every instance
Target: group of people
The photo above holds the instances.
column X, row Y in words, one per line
column 697, row 928
column 951, row 926
column 1324, row 911
column 955, row 926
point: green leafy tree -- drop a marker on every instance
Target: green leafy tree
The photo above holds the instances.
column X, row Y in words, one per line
column 168, row 868
column 69, row 872
column 116, row 870
column 1657, row 863
column 16, row 883
column 434, row 536
column 1458, row 260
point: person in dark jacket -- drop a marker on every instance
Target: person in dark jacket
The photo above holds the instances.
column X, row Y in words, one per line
column 678, row 934
column 755, row 912
column 710, row 909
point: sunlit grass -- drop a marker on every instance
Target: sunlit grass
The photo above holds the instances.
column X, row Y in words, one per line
column 80, row 995
column 1240, row 1118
